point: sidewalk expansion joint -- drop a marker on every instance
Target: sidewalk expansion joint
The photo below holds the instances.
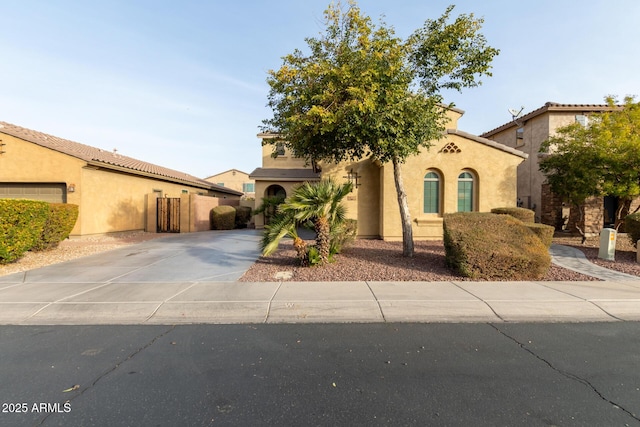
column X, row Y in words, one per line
column 61, row 300
column 585, row 300
column 167, row 300
column 480, row 299
column 384, row 319
column 266, row 317
column 566, row 374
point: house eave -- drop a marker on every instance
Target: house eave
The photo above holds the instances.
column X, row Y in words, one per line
column 208, row 187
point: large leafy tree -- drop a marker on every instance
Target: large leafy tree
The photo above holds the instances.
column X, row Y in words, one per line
column 599, row 159
column 361, row 91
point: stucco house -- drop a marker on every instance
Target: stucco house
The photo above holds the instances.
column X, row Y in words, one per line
column 113, row 191
column 527, row 133
column 460, row 172
column 236, row 180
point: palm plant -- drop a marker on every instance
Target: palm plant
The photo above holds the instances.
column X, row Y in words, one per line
column 282, row 225
column 320, row 203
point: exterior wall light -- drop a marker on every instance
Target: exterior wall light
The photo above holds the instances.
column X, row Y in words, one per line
column 353, row 178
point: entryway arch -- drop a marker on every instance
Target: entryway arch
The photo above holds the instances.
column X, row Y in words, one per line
column 274, row 195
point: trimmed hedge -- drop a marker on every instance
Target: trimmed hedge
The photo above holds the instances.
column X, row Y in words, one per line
column 524, row 215
column 223, row 218
column 21, row 225
column 243, row 216
column 62, row 219
column 485, row 246
column 543, row 231
column 632, row 227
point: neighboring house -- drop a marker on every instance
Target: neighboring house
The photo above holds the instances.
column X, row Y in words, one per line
column 527, row 133
column 460, row 172
column 111, row 190
column 236, row 180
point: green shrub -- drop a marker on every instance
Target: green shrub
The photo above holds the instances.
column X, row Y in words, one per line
column 632, row 227
column 524, row 215
column 543, row 231
column 243, row 216
column 21, row 225
column 493, row 247
column 342, row 234
column 313, row 256
column 62, row 219
column 223, row 218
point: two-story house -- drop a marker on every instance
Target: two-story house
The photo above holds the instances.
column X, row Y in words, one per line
column 527, row 133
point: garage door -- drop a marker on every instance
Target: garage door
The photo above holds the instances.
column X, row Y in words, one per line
column 52, row 193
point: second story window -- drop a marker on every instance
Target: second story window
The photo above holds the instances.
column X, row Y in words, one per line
column 280, row 149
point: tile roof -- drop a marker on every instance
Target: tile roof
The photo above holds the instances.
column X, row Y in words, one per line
column 284, row 174
column 107, row 159
column 551, row 106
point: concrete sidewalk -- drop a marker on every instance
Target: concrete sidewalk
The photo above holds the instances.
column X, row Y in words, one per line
column 288, row 302
column 192, row 279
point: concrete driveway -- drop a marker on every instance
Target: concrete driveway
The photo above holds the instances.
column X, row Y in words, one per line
column 129, row 284
column 221, row 256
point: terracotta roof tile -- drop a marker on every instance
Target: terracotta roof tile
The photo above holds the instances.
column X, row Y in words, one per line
column 107, row 158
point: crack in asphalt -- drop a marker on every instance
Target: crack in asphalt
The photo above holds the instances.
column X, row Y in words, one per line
column 566, row 374
column 109, row 371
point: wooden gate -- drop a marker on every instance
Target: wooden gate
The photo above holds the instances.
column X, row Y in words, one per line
column 168, row 215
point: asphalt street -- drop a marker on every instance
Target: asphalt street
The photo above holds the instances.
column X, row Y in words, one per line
column 484, row 374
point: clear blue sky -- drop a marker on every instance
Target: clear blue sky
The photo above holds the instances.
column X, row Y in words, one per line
column 183, row 84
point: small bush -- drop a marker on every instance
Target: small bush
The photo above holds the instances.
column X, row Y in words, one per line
column 223, row 218
column 632, row 227
column 493, row 247
column 21, row 225
column 62, row 219
column 342, row 235
column 524, row 215
column 243, row 216
column 313, row 256
column 543, row 231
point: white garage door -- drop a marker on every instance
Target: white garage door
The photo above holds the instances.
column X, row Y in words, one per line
column 52, row 193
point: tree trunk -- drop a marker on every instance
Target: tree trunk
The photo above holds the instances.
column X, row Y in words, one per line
column 301, row 249
column 322, row 238
column 405, row 216
column 582, row 232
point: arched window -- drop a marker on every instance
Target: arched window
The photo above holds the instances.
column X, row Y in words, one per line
column 465, row 192
column 431, row 193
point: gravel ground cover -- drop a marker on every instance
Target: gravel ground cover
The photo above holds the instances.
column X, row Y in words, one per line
column 373, row 260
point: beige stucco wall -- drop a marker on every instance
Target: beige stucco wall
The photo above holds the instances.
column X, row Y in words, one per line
column 286, row 161
column 495, row 185
column 108, row 200
column 233, row 179
column 363, row 203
